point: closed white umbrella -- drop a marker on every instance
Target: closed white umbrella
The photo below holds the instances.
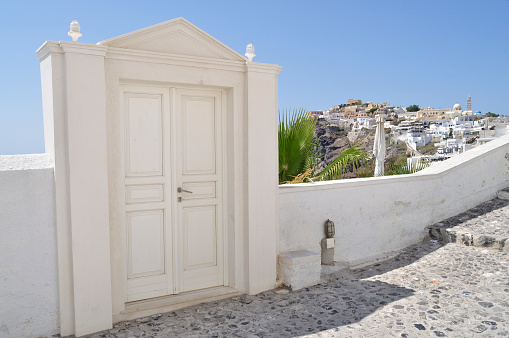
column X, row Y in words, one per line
column 379, row 146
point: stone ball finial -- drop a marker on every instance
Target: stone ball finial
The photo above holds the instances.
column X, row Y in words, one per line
column 74, row 31
column 250, row 52
column 75, row 26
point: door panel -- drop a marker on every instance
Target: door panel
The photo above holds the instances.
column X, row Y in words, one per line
column 144, row 193
column 144, row 135
column 147, row 264
column 145, row 243
column 200, row 214
column 200, row 245
column 198, row 135
column 149, row 254
column 199, row 189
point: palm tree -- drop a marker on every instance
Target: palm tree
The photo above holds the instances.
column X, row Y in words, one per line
column 299, row 152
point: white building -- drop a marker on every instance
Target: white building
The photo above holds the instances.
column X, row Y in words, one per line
column 418, row 139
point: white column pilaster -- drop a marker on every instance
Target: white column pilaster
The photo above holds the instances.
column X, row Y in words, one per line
column 74, row 101
column 262, row 173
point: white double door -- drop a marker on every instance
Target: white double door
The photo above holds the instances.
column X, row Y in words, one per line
column 173, row 160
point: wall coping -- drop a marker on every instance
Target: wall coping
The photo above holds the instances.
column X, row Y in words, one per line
column 436, row 171
column 25, row 162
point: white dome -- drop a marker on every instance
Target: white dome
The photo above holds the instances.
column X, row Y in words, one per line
column 457, row 106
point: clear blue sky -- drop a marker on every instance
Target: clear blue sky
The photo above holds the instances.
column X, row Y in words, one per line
column 430, row 53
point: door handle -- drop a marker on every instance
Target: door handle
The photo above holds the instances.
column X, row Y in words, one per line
column 179, row 189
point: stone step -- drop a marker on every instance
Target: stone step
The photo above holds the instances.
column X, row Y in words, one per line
column 299, row 269
column 468, row 239
column 503, row 194
column 486, row 225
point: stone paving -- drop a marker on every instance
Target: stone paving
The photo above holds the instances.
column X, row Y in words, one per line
column 431, row 289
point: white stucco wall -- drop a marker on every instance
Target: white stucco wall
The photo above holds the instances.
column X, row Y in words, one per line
column 374, row 216
column 28, row 255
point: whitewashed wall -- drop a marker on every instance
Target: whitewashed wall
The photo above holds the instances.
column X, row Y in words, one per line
column 374, row 216
column 28, row 254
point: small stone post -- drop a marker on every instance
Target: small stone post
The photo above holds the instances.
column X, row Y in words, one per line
column 328, row 244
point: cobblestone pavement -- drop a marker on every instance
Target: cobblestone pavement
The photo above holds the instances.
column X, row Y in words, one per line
column 427, row 290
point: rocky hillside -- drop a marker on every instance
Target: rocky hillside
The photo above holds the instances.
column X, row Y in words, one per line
column 334, row 140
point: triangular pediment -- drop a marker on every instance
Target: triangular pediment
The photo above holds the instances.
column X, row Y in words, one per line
column 178, row 37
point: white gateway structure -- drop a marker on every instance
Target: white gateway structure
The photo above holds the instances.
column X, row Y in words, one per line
column 162, row 197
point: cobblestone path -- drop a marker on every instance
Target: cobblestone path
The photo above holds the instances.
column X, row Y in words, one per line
column 428, row 290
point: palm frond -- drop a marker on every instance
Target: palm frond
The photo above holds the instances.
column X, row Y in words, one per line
column 297, row 145
column 339, row 166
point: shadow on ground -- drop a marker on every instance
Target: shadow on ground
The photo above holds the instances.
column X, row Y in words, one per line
column 343, row 300
column 270, row 314
column 405, row 257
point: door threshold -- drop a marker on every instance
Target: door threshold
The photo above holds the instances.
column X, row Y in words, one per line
column 148, row 307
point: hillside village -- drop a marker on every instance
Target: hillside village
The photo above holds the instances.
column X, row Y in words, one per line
column 412, row 132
